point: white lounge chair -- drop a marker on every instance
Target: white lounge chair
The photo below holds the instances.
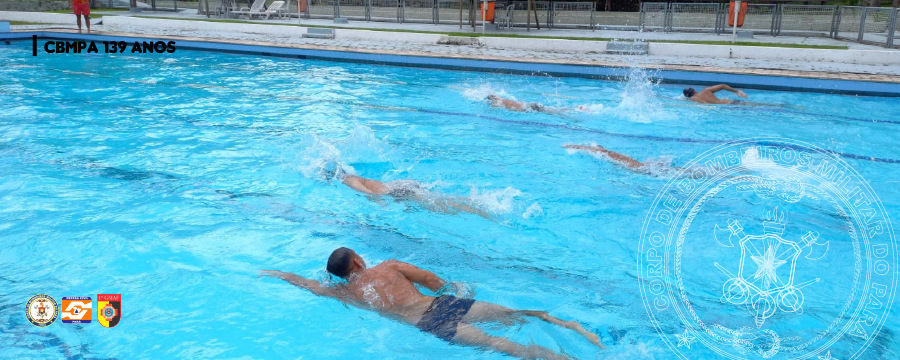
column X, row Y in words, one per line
column 273, row 9
column 254, row 8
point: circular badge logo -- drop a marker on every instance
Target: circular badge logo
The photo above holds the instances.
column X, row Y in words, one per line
column 41, row 310
column 108, row 312
column 767, row 248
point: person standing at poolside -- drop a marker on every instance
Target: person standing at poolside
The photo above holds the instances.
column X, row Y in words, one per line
column 389, row 288
column 708, row 95
column 82, row 8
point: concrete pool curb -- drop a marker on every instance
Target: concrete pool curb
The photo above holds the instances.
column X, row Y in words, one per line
column 791, row 80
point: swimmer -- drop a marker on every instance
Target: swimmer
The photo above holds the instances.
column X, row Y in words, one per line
column 620, row 159
column 389, row 288
column 500, row 102
column 406, row 190
column 708, row 96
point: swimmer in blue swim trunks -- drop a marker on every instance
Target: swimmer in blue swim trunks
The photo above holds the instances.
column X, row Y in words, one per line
column 389, row 288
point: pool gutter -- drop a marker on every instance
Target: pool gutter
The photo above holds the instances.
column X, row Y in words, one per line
column 808, row 81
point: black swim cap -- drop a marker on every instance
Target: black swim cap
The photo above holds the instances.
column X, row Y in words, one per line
column 689, row 92
column 339, row 262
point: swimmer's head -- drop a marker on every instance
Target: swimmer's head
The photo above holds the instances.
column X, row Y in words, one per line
column 332, row 171
column 689, row 92
column 491, row 97
column 344, row 262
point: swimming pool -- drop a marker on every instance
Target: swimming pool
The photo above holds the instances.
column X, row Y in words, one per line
column 174, row 179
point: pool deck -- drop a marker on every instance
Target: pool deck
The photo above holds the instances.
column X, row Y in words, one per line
column 581, row 58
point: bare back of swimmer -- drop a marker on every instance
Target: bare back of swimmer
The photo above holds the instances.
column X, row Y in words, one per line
column 708, row 95
column 500, row 102
column 390, row 289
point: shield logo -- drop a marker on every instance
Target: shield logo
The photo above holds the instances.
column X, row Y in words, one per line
column 765, row 278
column 109, row 309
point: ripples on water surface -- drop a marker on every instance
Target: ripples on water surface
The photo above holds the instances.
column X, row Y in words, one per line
column 173, row 179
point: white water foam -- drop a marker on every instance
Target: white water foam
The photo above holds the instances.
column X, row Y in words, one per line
column 638, row 101
column 533, row 211
column 480, row 92
column 495, row 201
column 320, row 156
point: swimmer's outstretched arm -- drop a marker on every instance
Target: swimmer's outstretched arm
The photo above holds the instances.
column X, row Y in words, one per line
column 414, row 274
column 313, row 286
column 726, row 87
column 625, row 160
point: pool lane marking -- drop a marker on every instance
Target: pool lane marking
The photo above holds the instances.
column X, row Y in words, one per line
column 747, row 108
column 648, row 137
column 522, row 122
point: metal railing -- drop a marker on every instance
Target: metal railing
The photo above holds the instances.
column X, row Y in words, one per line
column 693, row 17
column 805, row 19
column 875, row 25
column 654, row 16
column 570, row 14
column 573, row 14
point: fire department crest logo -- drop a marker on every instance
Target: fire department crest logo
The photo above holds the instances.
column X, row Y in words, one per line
column 109, row 308
column 41, row 310
column 768, row 248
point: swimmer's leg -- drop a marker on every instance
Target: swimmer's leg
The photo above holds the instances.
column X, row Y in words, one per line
column 623, row 159
column 472, row 336
column 448, row 205
column 484, row 311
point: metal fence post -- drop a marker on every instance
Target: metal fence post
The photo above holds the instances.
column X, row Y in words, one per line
column 862, row 24
column 836, row 22
column 641, row 18
column 549, row 15
column 153, row 4
column 594, row 9
column 667, row 24
column 776, row 24
column 721, row 18
column 892, row 29
column 837, row 27
column 337, row 8
column 435, row 17
column 400, row 11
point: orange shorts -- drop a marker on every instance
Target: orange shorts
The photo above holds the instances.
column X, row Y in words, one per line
column 82, row 9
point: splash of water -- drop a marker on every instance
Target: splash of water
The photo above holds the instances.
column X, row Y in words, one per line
column 638, row 102
column 533, row 211
column 363, row 146
column 321, row 157
column 480, row 92
column 495, row 201
column 318, row 157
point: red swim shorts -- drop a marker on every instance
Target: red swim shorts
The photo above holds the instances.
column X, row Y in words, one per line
column 80, row 9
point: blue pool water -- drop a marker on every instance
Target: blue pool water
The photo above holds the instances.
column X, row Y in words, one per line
column 173, row 179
